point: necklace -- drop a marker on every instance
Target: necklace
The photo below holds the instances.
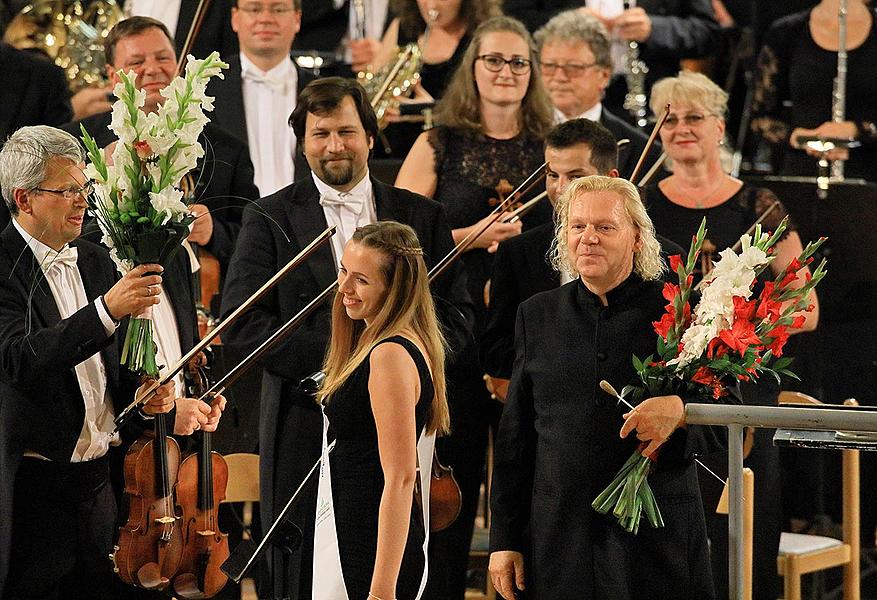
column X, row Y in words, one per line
column 703, row 200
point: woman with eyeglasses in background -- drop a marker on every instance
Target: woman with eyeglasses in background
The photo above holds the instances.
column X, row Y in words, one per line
column 492, row 120
column 693, row 138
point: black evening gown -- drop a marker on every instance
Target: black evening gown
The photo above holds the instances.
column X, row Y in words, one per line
column 358, row 480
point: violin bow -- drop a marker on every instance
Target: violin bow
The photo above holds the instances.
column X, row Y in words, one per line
column 197, row 21
column 295, row 321
column 653, row 171
column 224, row 324
column 495, row 215
column 642, row 157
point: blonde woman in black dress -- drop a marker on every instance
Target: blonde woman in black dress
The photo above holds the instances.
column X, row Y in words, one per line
column 384, row 402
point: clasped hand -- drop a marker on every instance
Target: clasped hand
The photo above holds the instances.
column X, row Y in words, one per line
column 654, row 420
column 194, row 414
column 498, row 232
column 845, row 130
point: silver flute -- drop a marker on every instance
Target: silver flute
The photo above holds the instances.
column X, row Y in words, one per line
column 839, row 91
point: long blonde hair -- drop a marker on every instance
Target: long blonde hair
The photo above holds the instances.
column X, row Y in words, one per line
column 407, row 307
column 647, row 261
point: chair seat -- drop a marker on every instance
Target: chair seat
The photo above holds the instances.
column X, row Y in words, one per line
column 800, row 543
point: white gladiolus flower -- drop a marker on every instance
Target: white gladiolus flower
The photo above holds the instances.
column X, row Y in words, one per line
column 168, row 201
column 122, row 265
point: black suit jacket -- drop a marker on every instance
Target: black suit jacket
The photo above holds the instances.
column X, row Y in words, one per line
column 223, row 179
column 228, row 111
column 34, row 92
column 680, row 28
column 262, row 250
column 322, row 25
column 629, row 154
column 521, row 269
column 41, row 406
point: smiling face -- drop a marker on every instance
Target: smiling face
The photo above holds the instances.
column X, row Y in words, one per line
column 152, row 57
column 573, row 93
column 49, row 216
column 692, row 134
column 362, row 282
column 503, row 88
column 336, row 146
column 601, row 240
column 266, row 29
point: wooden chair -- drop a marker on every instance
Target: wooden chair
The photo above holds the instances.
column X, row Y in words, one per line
column 802, row 553
column 748, row 525
column 243, row 486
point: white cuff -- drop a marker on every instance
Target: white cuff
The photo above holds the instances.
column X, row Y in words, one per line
column 104, row 316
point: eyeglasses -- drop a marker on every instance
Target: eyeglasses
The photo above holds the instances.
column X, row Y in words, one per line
column 69, row 193
column 692, row 120
column 277, row 10
column 494, row 64
column 571, row 70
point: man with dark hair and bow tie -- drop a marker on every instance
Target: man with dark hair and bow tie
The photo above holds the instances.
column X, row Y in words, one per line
column 60, row 381
column 260, row 88
column 336, row 127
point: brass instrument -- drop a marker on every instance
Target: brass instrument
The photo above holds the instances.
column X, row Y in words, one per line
column 70, row 32
column 389, row 84
column 635, row 71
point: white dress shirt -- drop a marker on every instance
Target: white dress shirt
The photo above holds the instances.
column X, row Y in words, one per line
column 167, row 339
column 593, row 114
column 67, row 289
column 166, row 11
column 375, row 14
column 346, row 210
column 269, row 98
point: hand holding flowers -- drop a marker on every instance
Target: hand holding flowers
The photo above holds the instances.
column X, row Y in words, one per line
column 730, row 335
column 137, row 202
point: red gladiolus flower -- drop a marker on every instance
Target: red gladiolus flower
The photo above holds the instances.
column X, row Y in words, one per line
column 662, row 327
column 716, row 349
column 780, row 336
column 768, row 308
column 670, row 292
column 798, row 321
column 143, row 150
column 743, row 310
column 740, row 336
column 704, row 376
column 675, row 262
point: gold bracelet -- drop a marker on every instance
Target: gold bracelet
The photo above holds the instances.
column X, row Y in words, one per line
column 373, row 597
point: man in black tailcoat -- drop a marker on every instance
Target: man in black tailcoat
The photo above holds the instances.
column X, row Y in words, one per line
column 259, row 89
column 562, row 439
column 223, row 179
column 60, row 381
column 336, row 127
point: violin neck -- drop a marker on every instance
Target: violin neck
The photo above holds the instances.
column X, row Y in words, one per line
column 161, row 466
column 205, row 472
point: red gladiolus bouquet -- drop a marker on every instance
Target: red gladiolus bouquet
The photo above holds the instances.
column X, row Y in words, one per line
column 731, row 334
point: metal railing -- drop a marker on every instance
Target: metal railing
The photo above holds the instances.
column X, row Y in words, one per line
column 735, row 418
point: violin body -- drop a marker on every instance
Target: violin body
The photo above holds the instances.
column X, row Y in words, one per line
column 445, row 498
column 205, row 547
column 150, row 543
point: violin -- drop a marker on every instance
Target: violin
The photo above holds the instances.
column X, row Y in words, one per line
column 150, row 543
column 200, row 488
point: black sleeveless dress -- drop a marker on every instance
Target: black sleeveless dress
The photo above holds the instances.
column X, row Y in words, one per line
column 358, row 480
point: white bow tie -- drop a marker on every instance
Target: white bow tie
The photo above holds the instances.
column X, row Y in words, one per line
column 67, row 256
column 275, row 83
column 350, row 202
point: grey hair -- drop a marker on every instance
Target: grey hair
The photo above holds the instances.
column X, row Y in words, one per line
column 572, row 27
column 26, row 154
column 647, row 261
column 693, row 89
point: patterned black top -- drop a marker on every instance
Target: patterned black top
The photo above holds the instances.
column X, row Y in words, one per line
column 794, row 70
column 475, row 173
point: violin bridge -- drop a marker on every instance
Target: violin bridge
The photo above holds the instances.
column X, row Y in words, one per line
column 166, row 520
column 207, row 533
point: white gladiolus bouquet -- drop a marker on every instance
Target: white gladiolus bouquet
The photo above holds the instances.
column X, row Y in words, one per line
column 137, row 202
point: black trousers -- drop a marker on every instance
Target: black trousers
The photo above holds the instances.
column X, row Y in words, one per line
column 62, row 531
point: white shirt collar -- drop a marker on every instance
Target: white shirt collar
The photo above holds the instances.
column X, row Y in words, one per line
column 284, row 70
column 44, row 254
column 594, row 113
column 362, row 189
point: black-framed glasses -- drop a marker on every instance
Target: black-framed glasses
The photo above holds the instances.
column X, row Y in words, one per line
column 494, row 63
column 692, row 120
column 70, row 193
column 571, row 70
